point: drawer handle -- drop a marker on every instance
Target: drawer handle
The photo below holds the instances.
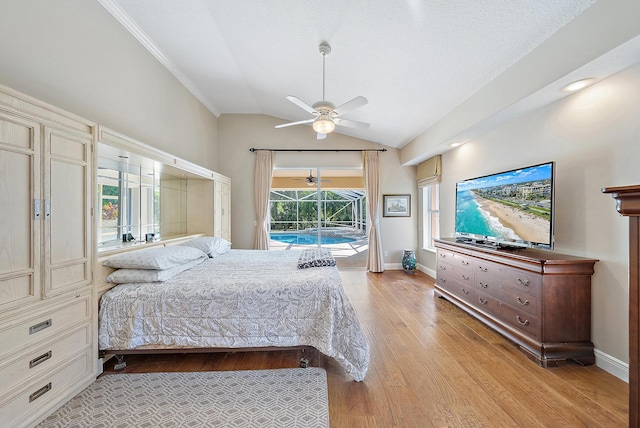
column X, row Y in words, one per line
column 483, row 301
column 524, row 282
column 40, row 326
column 525, row 322
column 464, row 263
column 41, row 359
column 466, row 278
column 522, row 302
column 442, row 256
column 442, row 267
column 465, row 291
column 442, row 280
column 483, row 285
column 39, row 393
column 482, row 269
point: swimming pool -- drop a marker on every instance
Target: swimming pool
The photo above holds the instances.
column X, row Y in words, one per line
column 307, row 239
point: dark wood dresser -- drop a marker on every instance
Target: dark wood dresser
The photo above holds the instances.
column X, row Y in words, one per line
column 541, row 300
column 628, row 204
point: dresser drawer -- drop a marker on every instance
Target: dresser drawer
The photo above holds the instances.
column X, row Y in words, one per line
column 488, row 285
column 46, row 392
column 44, row 358
column 464, row 291
column 520, row 300
column 45, row 326
column 521, row 320
column 528, row 282
column 461, row 261
column 445, row 256
column 487, row 303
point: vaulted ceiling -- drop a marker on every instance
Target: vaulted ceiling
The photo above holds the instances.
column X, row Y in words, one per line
column 415, row 61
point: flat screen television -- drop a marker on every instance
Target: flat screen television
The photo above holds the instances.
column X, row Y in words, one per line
column 510, row 208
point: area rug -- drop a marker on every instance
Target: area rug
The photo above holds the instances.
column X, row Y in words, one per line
column 248, row 398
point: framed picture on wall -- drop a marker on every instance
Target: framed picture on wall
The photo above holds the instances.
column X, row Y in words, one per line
column 396, row 205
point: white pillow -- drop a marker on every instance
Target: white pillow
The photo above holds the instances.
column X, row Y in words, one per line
column 154, row 258
column 210, row 245
column 122, row 276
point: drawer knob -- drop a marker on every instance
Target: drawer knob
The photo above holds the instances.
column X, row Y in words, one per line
column 40, row 326
column 525, row 322
column 464, row 263
column 524, row 282
column 482, row 269
column 465, row 291
column 443, row 267
column 522, row 302
column 41, row 359
column 483, row 285
column 483, row 301
column 466, row 278
column 442, row 256
column 39, row 393
column 442, row 280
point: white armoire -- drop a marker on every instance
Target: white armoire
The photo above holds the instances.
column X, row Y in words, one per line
column 47, row 345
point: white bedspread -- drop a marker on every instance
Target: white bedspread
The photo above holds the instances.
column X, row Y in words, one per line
column 243, row 298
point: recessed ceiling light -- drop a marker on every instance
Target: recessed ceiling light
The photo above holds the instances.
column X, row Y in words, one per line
column 578, row 84
column 456, row 144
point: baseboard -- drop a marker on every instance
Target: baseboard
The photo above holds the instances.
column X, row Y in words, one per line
column 393, row 266
column 430, row 272
column 612, row 365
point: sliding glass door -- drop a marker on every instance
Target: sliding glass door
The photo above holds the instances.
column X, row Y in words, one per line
column 318, row 210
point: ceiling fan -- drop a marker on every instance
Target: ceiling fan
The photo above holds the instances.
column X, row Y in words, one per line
column 311, row 180
column 326, row 115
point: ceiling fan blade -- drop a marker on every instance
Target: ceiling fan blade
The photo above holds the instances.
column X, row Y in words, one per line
column 321, row 136
column 351, row 123
column 297, row 101
column 350, row 105
column 300, row 122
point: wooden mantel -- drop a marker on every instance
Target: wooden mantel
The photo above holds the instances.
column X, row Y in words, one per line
column 628, row 204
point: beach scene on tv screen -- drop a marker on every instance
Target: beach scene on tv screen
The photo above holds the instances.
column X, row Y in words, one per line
column 514, row 205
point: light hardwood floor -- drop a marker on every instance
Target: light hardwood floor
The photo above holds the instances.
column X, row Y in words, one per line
column 433, row 366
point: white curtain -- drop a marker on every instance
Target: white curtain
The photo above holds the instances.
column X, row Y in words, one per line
column 375, row 261
column 262, row 188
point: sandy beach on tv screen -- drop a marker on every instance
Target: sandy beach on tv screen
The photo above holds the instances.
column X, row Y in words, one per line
column 527, row 226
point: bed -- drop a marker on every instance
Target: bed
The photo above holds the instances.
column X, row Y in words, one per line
column 239, row 299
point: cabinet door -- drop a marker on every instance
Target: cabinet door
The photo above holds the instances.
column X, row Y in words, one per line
column 20, row 226
column 67, row 213
column 222, row 210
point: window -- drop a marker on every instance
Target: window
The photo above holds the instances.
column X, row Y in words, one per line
column 430, row 215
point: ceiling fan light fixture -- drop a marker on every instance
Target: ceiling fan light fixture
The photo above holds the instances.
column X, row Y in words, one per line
column 323, row 124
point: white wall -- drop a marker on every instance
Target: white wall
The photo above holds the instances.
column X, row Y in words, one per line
column 75, row 55
column 593, row 136
column 238, row 133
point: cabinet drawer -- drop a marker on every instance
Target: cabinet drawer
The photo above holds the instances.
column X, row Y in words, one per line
column 46, row 392
column 44, row 358
column 462, row 262
column 45, row 326
column 463, row 290
column 520, row 300
column 528, row 282
column 463, row 275
column 488, row 285
column 521, row 320
column 445, row 256
column 487, row 303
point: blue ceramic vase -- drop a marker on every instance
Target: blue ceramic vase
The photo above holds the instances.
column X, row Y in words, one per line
column 409, row 261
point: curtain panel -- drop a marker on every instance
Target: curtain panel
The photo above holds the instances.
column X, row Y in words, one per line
column 375, row 261
column 262, row 188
